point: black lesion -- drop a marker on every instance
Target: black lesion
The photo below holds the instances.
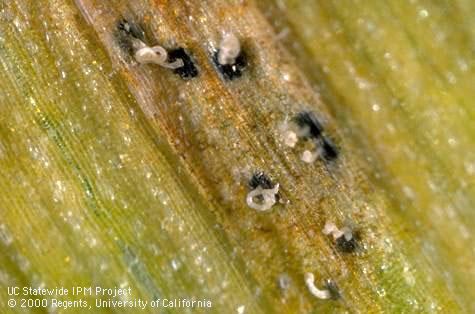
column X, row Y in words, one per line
column 189, row 69
column 308, row 120
column 260, row 179
column 351, row 245
column 330, row 152
column 231, row 71
column 346, row 246
column 126, row 32
column 331, row 286
column 312, row 129
column 131, row 29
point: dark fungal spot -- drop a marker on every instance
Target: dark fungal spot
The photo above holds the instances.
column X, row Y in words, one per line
column 331, row 286
column 231, row 71
column 351, row 245
column 131, row 29
column 329, row 150
column 346, row 246
column 307, row 120
column 188, row 70
column 260, row 179
column 125, row 34
column 125, row 43
column 312, row 129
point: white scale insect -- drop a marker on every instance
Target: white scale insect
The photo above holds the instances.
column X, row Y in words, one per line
column 229, row 49
column 310, row 282
column 331, row 228
column 156, row 54
column 268, row 196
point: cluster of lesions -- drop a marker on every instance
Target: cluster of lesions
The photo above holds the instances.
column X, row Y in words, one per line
column 132, row 40
column 229, row 59
column 306, row 128
column 346, row 240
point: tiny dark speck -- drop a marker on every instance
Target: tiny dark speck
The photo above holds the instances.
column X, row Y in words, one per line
column 346, row 246
column 330, row 151
column 125, row 33
column 306, row 119
column 188, row 70
column 333, row 288
column 231, row 71
column 131, row 29
column 260, row 179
